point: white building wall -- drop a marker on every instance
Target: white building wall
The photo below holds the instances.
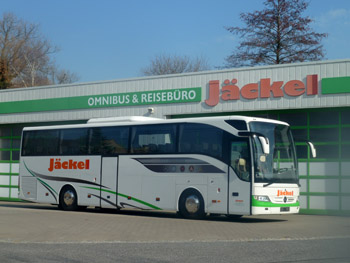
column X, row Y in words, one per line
column 244, row 76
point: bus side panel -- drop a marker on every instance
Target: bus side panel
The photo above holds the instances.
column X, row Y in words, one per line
column 109, row 182
column 52, row 173
column 130, row 178
column 239, row 195
column 209, row 178
column 157, row 181
column 140, row 187
column 163, row 193
column 29, row 183
column 88, row 179
column 33, row 187
column 217, row 193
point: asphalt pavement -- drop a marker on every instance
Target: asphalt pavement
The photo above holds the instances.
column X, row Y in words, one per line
column 43, row 233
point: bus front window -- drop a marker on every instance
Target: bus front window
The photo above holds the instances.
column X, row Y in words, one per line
column 280, row 165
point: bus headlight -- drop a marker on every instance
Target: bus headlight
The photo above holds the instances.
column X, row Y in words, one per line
column 262, row 198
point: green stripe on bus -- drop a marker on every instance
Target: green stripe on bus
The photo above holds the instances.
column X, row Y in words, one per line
column 123, row 195
column 41, row 181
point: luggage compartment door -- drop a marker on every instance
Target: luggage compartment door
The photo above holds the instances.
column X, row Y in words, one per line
column 109, row 181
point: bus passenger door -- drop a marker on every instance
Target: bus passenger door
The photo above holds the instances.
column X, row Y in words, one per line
column 109, row 182
column 239, row 195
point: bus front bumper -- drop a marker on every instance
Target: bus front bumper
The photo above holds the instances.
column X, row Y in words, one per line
column 260, row 210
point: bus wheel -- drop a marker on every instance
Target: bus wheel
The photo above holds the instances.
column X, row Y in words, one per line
column 68, row 199
column 191, row 204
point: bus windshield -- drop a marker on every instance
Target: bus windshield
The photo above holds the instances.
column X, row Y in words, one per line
column 280, row 165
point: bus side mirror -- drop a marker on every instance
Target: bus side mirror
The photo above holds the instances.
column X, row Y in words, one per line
column 264, row 141
column 312, row 149
column 310, row 144
column 265, row 144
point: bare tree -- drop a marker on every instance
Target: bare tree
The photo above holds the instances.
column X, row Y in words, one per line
column 25, row 55
column 63, row 76
column 172, row 64
column 276, row 35
column 37, row 65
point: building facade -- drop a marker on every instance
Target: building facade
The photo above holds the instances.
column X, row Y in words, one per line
column 314, row 98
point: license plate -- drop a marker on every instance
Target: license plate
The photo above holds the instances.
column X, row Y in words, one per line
column 285, row 209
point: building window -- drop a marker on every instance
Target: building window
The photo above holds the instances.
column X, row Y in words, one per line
column 294, row 119
column 322, row 118
column 324, row 135
column 9, row 162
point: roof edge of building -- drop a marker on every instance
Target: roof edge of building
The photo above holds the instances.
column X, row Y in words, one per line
column 181, row 75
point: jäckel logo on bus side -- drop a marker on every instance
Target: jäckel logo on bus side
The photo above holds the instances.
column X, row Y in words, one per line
column 57, row 164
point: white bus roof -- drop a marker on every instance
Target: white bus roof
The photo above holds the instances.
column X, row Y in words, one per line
column 149, row 120
column 123, row 119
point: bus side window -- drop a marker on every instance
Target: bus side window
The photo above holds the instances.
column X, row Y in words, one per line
column 109, row 141
column 153, row 139
column 74, row 141
column 200, row 139
column 40, row 143
column 240, row 159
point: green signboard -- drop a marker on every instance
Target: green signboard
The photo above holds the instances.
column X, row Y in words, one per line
column 336, row 85
column 106, row 100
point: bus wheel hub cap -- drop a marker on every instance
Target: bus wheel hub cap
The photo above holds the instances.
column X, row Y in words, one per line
column 192, row 204
column 69, row 198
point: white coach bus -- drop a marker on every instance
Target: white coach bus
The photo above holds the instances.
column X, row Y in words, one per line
column 220, row 165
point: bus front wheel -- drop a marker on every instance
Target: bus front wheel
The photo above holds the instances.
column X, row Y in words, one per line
column 68, row 199
column 191, row 204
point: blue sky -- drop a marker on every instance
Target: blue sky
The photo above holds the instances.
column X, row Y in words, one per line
column 112, row 39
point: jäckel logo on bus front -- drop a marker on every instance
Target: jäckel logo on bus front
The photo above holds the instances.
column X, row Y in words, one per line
column 57, row 164
column 285, row 193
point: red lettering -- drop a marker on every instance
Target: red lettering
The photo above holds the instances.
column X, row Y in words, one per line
column 81, row 165
column 311, row 85
column 51, row 167
column 266, row 88
column 72, row 165
column 58, row 164
column 250, row 91
column 230, row 91
column 65, row 165
column 294, row 88
column 214, row 90
column 285, row 193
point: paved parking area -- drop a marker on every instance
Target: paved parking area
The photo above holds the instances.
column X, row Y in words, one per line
column 28, row 223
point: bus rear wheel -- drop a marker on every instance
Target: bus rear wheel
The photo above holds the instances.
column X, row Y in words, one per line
column 191, row 204
column 68, row 199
